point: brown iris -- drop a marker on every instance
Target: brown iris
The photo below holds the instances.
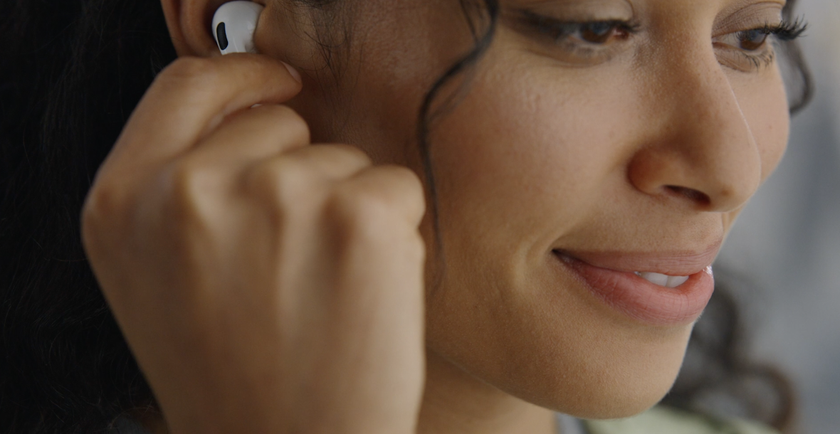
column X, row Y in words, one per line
column 599, row 32
column 752, row 40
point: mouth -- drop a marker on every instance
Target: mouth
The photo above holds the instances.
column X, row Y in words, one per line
column 659, row 290
column 662, row 279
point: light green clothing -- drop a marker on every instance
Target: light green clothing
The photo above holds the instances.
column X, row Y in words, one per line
column 658, row 420
column 663, row 420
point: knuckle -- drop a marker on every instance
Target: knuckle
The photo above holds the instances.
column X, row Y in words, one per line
column 103, row 203
column 351, row 153
column 279, row 182
column 186, row 176
column 362, row 212
column 102, row 199
column 186, row 186
column 367, row 221
column 294, row 126
column 411, row 192
column 408, row 179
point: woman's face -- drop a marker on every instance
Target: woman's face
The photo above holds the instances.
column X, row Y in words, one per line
column 578, row 155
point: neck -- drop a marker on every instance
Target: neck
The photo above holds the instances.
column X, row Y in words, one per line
column 456, row 402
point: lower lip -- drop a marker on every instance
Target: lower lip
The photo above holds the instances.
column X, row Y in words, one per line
column 644, row 301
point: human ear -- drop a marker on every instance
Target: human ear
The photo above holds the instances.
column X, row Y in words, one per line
column 189, row 23
column 281, row 31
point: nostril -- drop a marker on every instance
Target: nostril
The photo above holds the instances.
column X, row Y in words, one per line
column 691, row 194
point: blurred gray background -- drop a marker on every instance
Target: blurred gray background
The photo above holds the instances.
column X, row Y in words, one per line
column 787, row 241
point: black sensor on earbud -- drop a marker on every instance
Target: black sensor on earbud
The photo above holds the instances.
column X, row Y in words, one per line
column 221, row 36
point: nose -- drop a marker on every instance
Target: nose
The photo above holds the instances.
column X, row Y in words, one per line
column 698, row 148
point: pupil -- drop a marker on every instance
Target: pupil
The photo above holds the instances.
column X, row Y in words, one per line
column 597, row 32
column 753, row 39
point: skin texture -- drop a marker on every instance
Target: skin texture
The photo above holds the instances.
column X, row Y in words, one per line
column 652, row 146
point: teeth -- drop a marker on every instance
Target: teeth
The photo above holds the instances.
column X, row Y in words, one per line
column 675, row 281
column 663, row 279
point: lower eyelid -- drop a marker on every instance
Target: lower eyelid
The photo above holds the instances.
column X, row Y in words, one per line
column 757, row 60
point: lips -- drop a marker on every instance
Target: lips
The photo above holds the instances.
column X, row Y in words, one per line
column 655, row 289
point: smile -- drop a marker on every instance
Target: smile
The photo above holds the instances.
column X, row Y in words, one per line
column 665, row 291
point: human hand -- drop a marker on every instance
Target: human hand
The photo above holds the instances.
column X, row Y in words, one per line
column 264, row 285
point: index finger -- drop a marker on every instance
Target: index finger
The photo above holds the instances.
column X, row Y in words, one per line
column 191, row 96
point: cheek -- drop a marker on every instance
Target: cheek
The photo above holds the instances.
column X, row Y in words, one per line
column 530, row 150
column 527, row 157
column 765, row 106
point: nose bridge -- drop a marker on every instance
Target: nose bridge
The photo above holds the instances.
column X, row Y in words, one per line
column 705, row 144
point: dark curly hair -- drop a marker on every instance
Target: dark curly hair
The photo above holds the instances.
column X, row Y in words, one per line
column 72, row 72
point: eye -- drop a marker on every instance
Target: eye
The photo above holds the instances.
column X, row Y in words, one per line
column 752, row 40
column 600, row 32
column 573, row 42
column 596, row 32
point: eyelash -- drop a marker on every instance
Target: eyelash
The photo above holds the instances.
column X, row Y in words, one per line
column 560, row 32
column 761, row 56
column 788, row 30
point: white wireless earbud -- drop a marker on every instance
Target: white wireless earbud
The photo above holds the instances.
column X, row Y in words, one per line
column 233, row 26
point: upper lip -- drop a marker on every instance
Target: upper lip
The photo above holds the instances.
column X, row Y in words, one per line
column 673, row 263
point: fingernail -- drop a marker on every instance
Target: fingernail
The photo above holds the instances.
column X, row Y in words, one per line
column 293, row 72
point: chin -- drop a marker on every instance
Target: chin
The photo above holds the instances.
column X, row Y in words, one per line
column 600, row 398
column 622, row 386
column 621, row 404
column 608, row 380
column 558, row 348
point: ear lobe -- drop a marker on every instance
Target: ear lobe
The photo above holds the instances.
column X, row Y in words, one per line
column 189, row 22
